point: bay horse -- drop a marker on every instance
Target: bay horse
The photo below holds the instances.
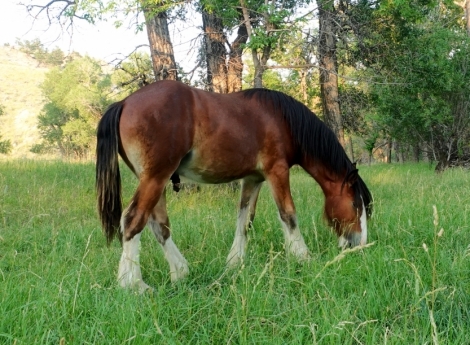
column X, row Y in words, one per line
column 168, row 129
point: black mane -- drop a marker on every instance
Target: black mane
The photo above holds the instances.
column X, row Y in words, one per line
column 313, row 138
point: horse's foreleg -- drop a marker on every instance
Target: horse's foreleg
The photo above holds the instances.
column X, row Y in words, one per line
column 249, row 195
column 160, row 226
column 278, row 179
column 133, row 220
column 253, row 202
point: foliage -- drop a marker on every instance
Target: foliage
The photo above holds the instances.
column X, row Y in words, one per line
column 412, row 57
column 94, row 11
column 5, row 146
column 37, row 51
column 76, row 96
column 133, row 73
column 268, row 25
column 354, row 104
column 228, row 11
column 293, row 59
column 275, row 12
column 272, row 79
column 430, row 101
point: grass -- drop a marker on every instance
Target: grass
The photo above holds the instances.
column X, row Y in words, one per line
column 58, row 278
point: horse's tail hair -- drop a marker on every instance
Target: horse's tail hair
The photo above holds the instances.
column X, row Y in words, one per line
column 108, row 177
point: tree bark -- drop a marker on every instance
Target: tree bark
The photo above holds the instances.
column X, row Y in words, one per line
column 161, row 48
column 416, row 152
column 328, row 69
column 389, row 151
column 235, row 63
column 215, row 51
column 467, row 15
column 259, row 62
column 351, row 149
column 303, row 85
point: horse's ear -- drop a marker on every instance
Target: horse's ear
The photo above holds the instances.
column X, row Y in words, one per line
column 354, row 165
column 352, row 176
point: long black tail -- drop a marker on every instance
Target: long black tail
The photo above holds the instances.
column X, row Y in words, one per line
column 108, row 177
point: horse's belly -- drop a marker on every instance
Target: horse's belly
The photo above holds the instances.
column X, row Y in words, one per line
column 213, row 170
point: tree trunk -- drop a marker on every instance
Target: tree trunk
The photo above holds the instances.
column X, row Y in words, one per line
column 467, row 15
column 399, row 152
column 235, row 63
column 416, row 152
column 303, row 85
column 389, row 151
column 260, row 65
column 442, row 162
column 328, row 69
column 259, row 62
column 444, row 151
column 161, row 48
column 215, row 51
column 351, row 149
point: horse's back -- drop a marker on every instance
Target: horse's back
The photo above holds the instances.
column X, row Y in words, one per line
column 206, row 136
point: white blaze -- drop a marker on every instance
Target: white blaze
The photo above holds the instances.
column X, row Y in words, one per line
column 363, row 221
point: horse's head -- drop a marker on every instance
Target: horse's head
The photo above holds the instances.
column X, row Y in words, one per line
column 347, row 209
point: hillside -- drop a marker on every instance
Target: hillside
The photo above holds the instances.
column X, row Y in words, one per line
column 20, row 77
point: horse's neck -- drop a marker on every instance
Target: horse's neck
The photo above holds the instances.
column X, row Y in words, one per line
column 329, row 181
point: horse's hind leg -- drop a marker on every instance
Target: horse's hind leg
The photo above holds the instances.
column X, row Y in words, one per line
column 160, row 226
column 249, row 195
column 133, row 220
column 129, row 274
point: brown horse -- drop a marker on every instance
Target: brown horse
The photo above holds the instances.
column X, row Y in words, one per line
column 168, row 129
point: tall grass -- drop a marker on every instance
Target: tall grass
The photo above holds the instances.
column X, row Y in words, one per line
column 411, row 286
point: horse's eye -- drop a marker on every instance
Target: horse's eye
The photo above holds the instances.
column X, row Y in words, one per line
column 354, row 204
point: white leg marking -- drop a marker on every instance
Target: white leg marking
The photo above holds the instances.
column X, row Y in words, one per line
column 342, row 242
column 237, row 252
column 178, row 264
column 129, row 274
column 294, row 242
column 363, row 226
column 238, row 249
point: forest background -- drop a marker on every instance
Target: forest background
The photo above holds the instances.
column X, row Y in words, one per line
column 389, row 77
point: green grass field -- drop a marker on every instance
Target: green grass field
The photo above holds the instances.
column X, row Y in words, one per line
column 411, row 286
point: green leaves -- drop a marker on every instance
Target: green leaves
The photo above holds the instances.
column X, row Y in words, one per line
column 426, row 103
column 37, row 51
column 76, row 96
column 5, row 146
column 135, row 72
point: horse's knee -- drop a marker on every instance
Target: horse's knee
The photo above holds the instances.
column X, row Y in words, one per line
column 289, row 219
